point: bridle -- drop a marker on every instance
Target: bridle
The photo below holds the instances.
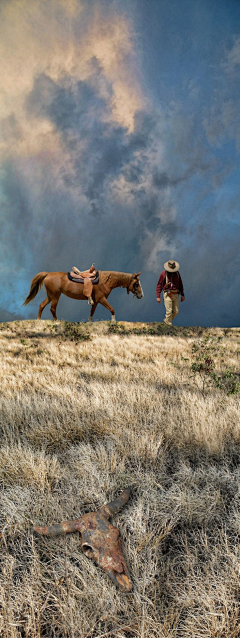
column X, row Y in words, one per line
column 132, row 278
column 134, row 285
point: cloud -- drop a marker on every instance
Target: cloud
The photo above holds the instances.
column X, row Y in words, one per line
column 232, row 59
column 222, row 122
column 92, row 168
column 58, row 40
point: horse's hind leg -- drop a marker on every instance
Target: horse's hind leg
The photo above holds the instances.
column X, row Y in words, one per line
column 42, row 306
column 54, row 304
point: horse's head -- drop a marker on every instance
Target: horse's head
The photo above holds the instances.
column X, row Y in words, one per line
column 135, row 286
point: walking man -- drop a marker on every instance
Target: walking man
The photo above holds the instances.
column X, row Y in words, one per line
column 171, row 284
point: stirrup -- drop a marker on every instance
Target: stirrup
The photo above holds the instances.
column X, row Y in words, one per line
column 90, row 301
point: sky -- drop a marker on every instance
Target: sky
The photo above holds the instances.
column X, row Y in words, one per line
column 119, row 145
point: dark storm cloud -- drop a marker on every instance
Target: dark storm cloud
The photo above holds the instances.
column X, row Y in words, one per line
column 69, row 109
column 162, row 180
column 99, row 149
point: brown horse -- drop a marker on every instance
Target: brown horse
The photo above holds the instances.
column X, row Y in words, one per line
column 57, row 283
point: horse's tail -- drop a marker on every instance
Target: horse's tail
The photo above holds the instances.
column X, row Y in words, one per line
column 36, row 283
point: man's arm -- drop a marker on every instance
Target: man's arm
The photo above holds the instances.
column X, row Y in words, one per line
column 160, row 285
column 181, row 290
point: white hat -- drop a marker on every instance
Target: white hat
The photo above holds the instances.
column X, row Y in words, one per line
column 171, row 265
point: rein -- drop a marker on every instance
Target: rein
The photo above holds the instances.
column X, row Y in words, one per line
column 132, row 278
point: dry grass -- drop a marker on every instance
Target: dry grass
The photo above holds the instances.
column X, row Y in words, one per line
column 80, row 420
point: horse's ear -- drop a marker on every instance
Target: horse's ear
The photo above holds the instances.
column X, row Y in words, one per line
column 137, row 274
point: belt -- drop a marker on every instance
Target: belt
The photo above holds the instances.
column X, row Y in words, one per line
column 172, row 292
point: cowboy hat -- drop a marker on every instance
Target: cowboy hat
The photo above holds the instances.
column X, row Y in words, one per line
column 171, row 265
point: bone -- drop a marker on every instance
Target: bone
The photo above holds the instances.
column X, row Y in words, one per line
column 99, row 539
column 121, row 580
column 114, row 506
column 59, row 528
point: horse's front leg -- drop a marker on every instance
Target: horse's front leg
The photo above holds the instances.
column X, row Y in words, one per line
column 93, row 308
column 105, row 303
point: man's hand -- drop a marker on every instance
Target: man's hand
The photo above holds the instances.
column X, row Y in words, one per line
column 183, row 298
column 158, row 300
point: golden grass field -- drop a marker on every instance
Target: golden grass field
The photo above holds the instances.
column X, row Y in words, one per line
column 87, row 410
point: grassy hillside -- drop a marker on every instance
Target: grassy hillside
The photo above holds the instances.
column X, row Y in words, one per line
column 87, row 410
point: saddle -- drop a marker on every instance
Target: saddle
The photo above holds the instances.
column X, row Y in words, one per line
column 79, row 276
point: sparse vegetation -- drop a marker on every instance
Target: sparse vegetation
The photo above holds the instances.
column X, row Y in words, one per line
column 87, row 410
column 206, row 352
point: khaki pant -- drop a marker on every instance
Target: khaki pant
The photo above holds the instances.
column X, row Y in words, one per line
column 172, row 307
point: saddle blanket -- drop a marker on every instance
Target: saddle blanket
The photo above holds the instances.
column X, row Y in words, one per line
column 80, row 280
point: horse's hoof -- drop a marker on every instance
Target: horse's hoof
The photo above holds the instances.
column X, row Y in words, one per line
column 90, row 301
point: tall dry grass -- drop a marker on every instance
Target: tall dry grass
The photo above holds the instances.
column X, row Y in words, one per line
column 82, row 418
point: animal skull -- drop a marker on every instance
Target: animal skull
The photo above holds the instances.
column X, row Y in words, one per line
column 99, row 539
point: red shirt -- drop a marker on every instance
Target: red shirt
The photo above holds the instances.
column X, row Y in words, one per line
column 174, row 282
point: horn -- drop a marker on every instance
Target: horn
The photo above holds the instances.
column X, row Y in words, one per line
column 59, row 528
column 138, row 273
column 114, row 506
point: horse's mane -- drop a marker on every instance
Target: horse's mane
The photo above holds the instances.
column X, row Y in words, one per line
column 114, row 278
